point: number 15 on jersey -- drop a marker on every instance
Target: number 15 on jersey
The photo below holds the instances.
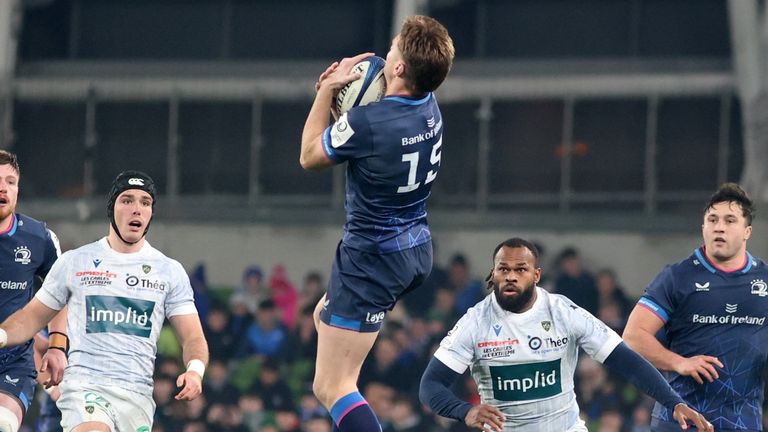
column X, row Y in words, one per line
column 412, row 159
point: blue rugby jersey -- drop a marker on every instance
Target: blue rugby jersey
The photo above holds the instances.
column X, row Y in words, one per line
column 392, row 149
column 30, row 249
column 713, row 312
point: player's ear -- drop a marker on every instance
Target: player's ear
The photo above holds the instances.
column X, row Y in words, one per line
column 399, row 69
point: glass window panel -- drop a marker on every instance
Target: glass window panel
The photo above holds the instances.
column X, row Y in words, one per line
column 688, row 144
column 179, row 29
column 310, row 29
column 458, row 161
column 131, row 136
column 45, row 31
column 459, row 18
column 609, row 145
column 526, row 138
column 279, row 171
column 535, row 28
column 215, row 147
column 684, row 27
column 50, row 143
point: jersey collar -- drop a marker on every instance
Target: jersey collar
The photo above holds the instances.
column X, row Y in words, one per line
column 713, row 268
column 12, row 227
column 410, row 100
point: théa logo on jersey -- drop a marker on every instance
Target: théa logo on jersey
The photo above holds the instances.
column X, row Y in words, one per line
column 526, row 381
column 108, row 314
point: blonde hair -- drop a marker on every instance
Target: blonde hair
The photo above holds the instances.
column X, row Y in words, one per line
column 427, row 51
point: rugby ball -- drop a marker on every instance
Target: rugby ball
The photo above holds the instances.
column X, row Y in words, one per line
column 370, row 87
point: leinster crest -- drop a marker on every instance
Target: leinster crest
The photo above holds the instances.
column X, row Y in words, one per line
column 546, row 325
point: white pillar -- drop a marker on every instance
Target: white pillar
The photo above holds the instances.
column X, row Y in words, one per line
column 748, row 42
column 403, row 9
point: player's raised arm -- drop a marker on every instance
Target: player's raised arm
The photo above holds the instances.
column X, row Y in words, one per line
column 25, row 323
column 312, row 154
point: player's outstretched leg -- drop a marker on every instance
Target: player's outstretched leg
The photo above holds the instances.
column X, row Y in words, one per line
column 340, row 356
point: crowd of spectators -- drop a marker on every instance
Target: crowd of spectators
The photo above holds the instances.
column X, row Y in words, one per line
column 263, row 344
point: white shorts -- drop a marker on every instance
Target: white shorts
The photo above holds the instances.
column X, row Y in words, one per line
column 122, row 410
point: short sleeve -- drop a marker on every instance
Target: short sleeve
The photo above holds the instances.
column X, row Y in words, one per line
column 52, row 252
column 180, row 299
column 349, row 137
column 457, row 348
column 55, row 290
column 593, row 336
column 659, row 295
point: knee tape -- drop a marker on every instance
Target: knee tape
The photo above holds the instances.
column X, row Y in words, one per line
column 8, row 420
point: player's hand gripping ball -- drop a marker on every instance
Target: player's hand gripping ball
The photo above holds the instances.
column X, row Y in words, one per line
column 370, row 87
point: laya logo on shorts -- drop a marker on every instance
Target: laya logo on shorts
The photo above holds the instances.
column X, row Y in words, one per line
column 107, row 314
column 375, row 318
column 526, row 381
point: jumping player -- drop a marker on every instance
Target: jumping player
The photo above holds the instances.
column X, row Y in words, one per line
column 119, row 291
column 712, row 307
column 392, row 149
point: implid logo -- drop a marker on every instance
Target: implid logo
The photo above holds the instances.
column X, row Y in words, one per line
column 107, row 314
column 526, row 381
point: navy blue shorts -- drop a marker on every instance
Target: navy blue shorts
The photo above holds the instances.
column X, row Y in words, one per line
column 17, row 378
column 364, row 286
column 49, row 419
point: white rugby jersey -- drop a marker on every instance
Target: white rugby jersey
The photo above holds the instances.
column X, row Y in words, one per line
column 117, row 305
column 524, row 363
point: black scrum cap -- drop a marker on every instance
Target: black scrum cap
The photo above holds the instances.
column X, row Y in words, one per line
column 129, row 180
